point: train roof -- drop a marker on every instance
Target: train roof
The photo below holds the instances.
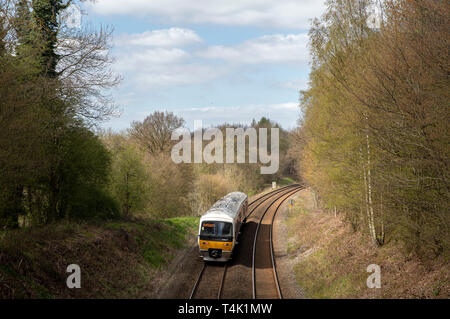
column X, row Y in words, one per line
column 229, row 205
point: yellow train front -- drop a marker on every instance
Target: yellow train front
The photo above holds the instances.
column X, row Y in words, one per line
column 220, row 225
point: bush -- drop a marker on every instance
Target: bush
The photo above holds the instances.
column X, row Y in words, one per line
column 92, row 203
column 129, row 178
column 208, row 189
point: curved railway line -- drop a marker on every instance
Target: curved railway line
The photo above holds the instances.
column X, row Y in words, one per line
column 259, row 267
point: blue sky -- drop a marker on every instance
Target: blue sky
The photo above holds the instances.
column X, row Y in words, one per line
column 210, row 60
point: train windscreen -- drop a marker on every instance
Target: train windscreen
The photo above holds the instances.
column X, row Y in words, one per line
column 215, row 230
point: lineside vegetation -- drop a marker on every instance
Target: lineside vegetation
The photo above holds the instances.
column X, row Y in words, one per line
column 375, row 131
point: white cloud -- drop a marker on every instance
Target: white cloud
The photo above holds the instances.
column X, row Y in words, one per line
column 140, row 60
column 173, row 37
column 284, row 113
column 164, row 65
column 153, row 59
column 297, row 84
column 293, row 14
column 150, row 68
column 276, row 48
column 176, row 74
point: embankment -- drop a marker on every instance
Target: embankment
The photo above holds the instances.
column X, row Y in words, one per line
column 118, row 259
column 322, row 257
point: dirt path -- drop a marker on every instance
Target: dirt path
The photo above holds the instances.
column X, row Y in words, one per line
column 285, row 260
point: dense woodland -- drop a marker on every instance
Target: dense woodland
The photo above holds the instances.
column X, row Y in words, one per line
column 373, row 141
column 375, row 132
column 56, row 164
column 53, row 85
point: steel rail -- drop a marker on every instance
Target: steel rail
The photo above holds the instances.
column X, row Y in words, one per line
column 287, row 194
column 271, row 192
column 222, row 281
column 198, row 281
column 265, row 197
column 271, row 195
column 272, row 252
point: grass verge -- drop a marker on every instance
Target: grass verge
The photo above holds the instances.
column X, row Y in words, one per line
column 118, row 259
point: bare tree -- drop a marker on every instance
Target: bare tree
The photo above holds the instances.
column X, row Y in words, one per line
column 84, row 68
column 155, row 131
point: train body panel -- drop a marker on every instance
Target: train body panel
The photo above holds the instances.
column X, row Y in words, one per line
column 219, row 227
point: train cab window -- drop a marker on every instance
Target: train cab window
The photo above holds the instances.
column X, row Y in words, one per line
column 215, row 230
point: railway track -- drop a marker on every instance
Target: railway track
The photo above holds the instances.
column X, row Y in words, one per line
column 211, row 280
column 212, row 286
column 268, row 194
column 267, row 286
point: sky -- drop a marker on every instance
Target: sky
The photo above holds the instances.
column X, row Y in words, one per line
column 212, row 60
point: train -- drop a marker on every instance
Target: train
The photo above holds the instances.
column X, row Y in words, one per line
column 220, row 225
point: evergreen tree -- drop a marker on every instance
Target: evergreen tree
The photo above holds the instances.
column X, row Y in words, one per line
column 45, row 14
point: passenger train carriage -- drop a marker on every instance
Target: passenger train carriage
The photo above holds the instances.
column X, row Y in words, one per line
column 219, row 227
